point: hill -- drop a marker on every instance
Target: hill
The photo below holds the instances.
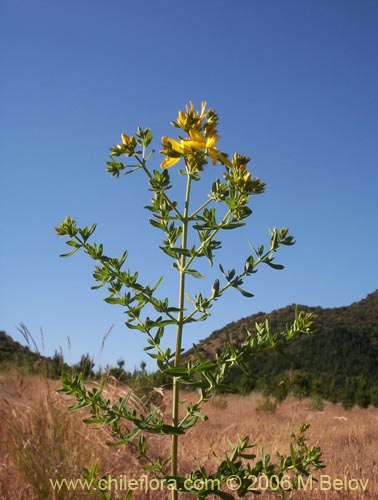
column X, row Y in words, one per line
column 13, row 351
column 28, row 358
column 339, row 362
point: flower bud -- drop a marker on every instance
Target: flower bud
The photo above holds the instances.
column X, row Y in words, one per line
column 125, row 138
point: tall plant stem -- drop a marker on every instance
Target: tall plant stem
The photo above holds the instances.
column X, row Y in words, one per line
column 180, row 327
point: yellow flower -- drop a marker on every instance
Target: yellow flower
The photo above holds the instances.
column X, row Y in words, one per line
column 125, row 138
column 169, row 162
column 170, row 144
column 173, row 151
column 191, row 112
column 191, row 118
column 128, row 141
column 127, row 146
column 196, row 142
column 181, row 118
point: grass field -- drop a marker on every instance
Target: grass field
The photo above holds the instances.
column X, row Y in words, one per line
column 40, row 441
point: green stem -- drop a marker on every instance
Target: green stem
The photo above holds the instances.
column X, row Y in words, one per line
column 180, row 326
column 202, row 207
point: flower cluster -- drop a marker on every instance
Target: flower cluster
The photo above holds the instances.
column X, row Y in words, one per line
column 127, row 147
column 200, row 143
column 240, row 179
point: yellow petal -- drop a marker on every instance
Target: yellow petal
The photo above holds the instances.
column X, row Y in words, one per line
column 189, row 108
column 189, row 145
column 224, row 160
column 211, row 141
column 203, row 109
column 213, row 153
column 171, row 143
column 168, row 162
column 197, row 136
column 125, row 138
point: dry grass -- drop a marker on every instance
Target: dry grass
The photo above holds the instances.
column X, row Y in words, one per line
column 349, row 440
column 40, row 440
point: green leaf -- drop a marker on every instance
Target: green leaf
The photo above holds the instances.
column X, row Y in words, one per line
column 99, row 420
column 195, row 273
column 157, row 224
column 206, row 366
column 179, row 371
column 169, row 251
column 119, row 443
column 233, row 225
column 247, row 456
column 73, row 243
column 275, row 266
column 170, row 429
column 293, row 454
column 114, row 300
column 69, row 253
column 245, row 293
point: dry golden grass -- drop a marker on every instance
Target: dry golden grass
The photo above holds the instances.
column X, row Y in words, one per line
column 39, row 440
column 349, row 439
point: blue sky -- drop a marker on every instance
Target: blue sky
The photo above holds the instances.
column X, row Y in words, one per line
column 296, row 86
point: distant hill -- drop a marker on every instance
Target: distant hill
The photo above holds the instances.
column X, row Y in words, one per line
column 13, row 354
column 341, row 357
column 13, row 351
